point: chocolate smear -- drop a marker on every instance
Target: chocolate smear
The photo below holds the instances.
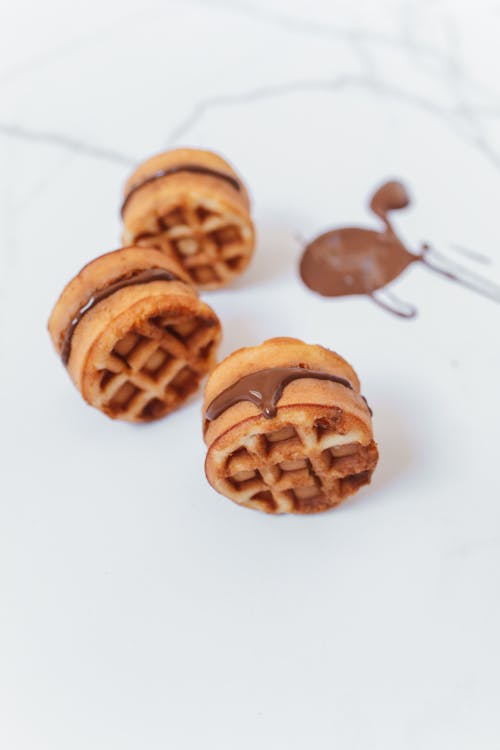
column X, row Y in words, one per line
column 353, row 260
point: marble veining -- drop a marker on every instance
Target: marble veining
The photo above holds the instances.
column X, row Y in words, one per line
column 470, row 101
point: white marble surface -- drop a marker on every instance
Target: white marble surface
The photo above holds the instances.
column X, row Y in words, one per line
column 138, row 609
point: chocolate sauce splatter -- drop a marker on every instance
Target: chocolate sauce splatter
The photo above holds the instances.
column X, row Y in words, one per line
column 264, row 389
column 353, row 260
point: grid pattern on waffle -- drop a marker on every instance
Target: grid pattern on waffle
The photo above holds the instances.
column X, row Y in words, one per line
column 155, row 366
column 212, row 246
column 297, row 469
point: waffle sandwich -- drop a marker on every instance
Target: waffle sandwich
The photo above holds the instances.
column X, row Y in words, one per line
column 286, row 428
column 193, row 206
column 133, row 334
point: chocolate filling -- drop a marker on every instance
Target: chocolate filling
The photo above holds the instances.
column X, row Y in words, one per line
column 193, row 168
column 138, row 277
column 264, row 389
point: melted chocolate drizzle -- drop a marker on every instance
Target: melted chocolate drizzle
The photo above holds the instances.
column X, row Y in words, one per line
column 352, row 260
column 139, row 277
column 264, row 389
column 193, row 168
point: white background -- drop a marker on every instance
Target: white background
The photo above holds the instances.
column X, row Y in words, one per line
column 138, row 609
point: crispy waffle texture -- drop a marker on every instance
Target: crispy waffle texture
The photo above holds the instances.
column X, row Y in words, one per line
column 138, row 354
column 200, row 220
column 314, row 453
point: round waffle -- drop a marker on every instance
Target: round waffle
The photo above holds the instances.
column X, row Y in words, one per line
column 134, row 335
column 308, row 449
column 193, row 206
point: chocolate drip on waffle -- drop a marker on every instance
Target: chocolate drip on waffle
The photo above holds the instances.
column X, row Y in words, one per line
column 139, row 277
column 264, row 389
column 192, row 168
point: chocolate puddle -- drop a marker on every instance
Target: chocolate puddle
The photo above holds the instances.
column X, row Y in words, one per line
column 264, row 389
column 140, row 277
column 193, row 168
column 353, row 260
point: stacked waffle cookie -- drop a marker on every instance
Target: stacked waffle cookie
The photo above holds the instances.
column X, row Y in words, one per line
column 286, row 428
column 134, row 334
column 194, row 207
